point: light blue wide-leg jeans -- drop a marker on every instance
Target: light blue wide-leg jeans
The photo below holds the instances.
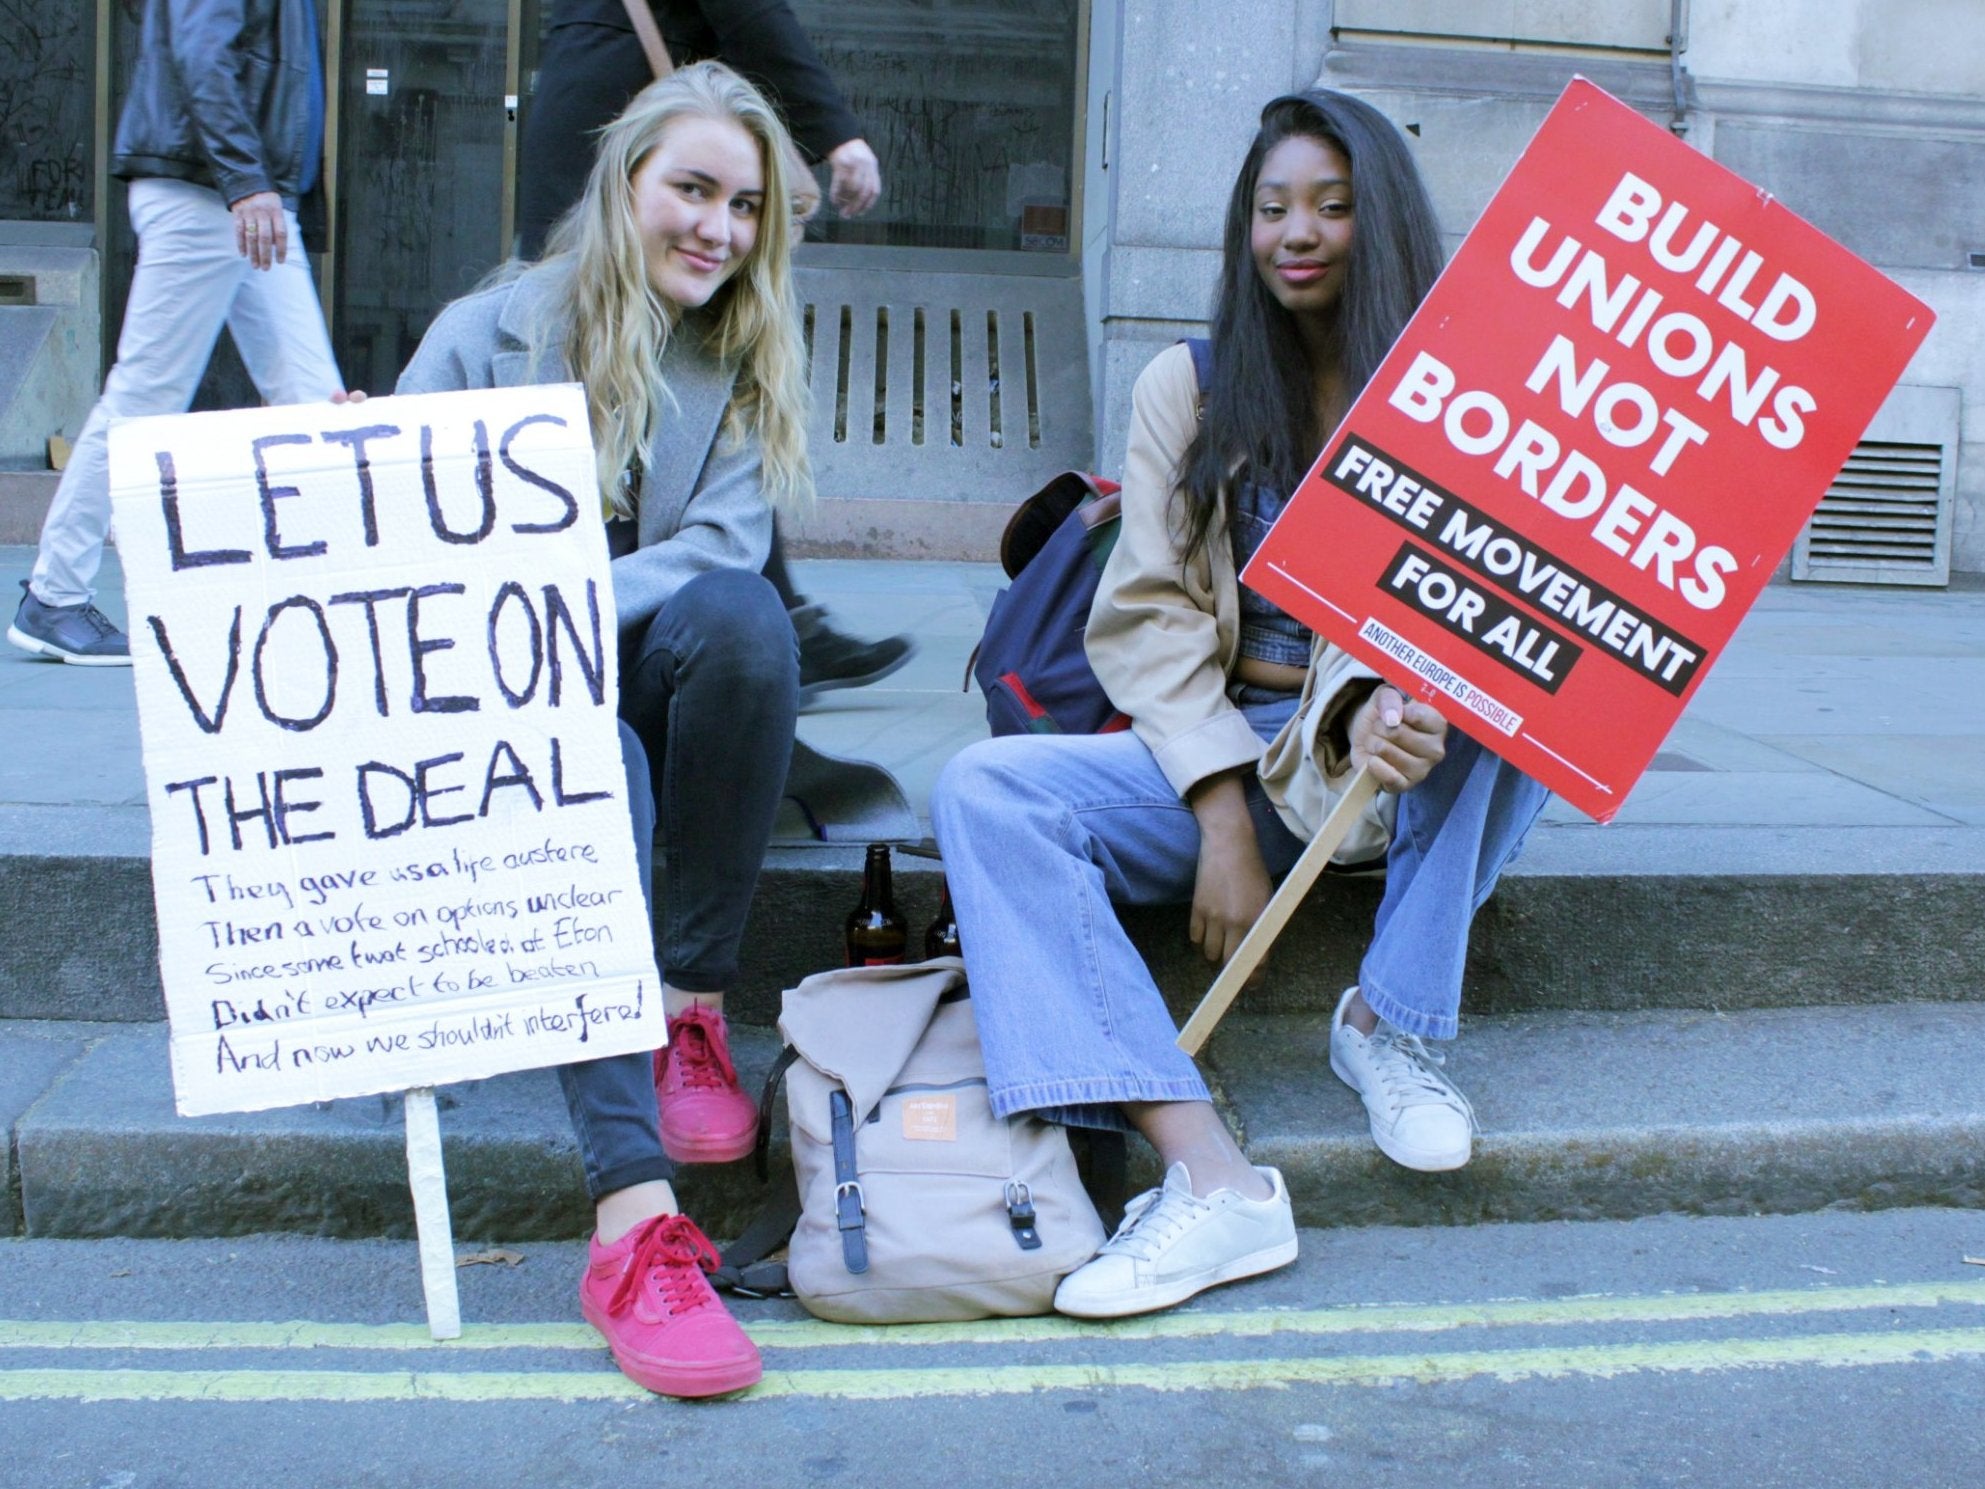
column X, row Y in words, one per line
column 1455, row 833
column 1043, row 835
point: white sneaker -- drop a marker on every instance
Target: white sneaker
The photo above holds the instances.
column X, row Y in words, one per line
column 1418, row 1118
column 1173, row 1244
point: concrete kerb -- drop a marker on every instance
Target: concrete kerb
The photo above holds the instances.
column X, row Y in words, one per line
column 103, row 1153
column 1584, row 1116
column 32, row 1056
column 94, row 950
column 1704, row 899
column 1591, row 1115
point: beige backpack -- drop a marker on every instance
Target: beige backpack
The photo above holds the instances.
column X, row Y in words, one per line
column 917, row 1204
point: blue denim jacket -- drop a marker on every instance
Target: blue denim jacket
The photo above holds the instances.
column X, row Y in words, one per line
column 1268, row 632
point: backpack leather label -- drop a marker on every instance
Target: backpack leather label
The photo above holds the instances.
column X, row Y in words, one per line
column 930, row 1119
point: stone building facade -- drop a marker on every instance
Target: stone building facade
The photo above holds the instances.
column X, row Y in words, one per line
column 1056, row 171
column 1866, row 117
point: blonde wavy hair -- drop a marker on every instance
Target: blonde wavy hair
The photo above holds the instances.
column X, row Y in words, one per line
column 616, row 326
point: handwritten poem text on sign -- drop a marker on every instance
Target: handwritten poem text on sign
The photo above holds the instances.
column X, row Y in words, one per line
column 375, row 658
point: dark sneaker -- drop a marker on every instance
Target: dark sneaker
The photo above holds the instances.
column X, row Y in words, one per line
column 81, row 633
column 829, row 659
column 648, row 1296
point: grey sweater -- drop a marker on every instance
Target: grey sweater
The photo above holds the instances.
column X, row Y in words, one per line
column 702, row 504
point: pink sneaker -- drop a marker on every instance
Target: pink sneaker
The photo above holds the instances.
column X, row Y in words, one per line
column 706, row 1118
column 646, row 1293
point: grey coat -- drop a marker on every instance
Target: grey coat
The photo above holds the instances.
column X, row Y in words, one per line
column 702, row 502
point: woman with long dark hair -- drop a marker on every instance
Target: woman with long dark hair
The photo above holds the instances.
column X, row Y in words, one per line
column 1245, row 727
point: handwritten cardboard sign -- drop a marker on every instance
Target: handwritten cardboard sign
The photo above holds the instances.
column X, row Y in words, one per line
column 1569, row 479
column 375, row 658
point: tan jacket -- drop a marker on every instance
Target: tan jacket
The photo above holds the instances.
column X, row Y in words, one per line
column 1164, row 637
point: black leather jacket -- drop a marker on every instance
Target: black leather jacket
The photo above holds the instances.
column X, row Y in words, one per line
column 220, row 96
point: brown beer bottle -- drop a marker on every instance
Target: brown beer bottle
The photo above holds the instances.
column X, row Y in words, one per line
column 942, row 937
column 877, row 932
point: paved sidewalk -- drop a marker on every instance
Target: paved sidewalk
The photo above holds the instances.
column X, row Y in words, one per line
column 1841, row 720
column 1812, row 832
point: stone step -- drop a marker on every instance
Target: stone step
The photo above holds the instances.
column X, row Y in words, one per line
column 1616, row 920
column 1589, row 1115
column 24, row 499
column 1583, row 1115
column 840, row 525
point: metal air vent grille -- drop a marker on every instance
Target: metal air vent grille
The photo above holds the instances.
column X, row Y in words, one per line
column 948, row 387
column 1881, row 508
column 1886, row 519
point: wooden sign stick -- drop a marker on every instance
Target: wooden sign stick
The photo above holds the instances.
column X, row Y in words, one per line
column 431, row 1224
column 1275, row 914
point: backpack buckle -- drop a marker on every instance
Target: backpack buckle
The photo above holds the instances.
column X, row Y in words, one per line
column 1020, row 1215
column 850, row 1211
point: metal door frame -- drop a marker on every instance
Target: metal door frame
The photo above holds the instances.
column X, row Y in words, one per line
column 100, row 182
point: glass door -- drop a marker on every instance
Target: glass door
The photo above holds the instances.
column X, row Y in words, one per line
column 423, row 138
column 971, row 105
column 226, row 383
column 421, row 143
column 45, row 110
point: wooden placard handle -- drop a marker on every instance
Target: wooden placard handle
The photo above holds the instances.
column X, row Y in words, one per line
column 437, row 1241
column 1275, row 914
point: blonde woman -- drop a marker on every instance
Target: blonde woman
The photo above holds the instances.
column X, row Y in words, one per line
column 667, row 292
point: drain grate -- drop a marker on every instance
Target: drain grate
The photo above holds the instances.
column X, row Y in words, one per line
column 951, row 387
column 1886, row 519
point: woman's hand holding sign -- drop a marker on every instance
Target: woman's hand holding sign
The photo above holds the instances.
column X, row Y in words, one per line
column 1396, row 738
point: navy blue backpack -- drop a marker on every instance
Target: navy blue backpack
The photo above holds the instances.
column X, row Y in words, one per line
column 1030, row 664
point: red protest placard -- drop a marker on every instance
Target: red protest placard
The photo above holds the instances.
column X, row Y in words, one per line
column 1590, row 448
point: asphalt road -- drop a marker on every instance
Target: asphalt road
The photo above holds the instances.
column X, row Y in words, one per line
column 1828, row 1350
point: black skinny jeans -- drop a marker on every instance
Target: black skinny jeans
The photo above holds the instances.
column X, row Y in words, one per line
column 709, row 690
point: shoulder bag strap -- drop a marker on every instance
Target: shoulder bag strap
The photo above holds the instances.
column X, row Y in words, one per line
column 761, row 1151
column 643, row 20
column 744, row 1270
column 1202, row 366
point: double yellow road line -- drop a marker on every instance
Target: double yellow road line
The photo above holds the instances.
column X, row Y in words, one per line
column 1892, row 1345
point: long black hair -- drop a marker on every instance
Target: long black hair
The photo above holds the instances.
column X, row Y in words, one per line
column 1259, row 421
